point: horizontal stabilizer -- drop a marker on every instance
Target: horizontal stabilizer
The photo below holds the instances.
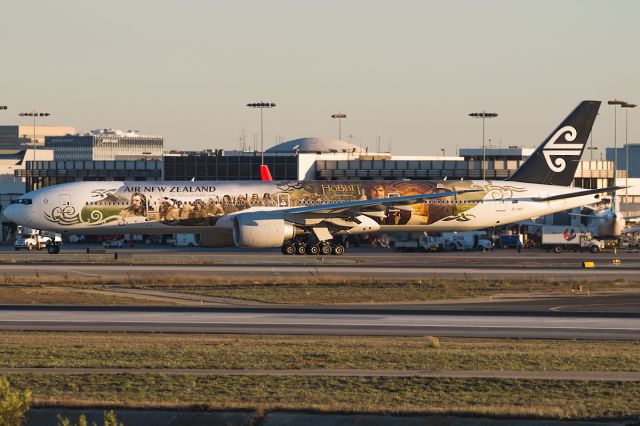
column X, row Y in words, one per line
column 579, row 193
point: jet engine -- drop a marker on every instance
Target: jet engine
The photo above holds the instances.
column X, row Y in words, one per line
column 261, row 231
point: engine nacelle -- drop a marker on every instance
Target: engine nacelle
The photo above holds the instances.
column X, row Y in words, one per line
column 261, row 230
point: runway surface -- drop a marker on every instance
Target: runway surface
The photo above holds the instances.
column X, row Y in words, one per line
column 609, row 376
column 325, row 322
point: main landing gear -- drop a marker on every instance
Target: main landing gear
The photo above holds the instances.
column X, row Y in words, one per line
column 323, row 249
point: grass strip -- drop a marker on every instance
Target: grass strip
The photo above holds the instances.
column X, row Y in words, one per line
column 26, row 295
column 124, row 350
column 530, row 398
column 317, row 291
column 295, row 290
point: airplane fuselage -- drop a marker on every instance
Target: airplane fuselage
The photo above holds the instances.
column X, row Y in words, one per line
column 196, row 207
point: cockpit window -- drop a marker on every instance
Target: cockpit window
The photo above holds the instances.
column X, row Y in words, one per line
column 22, row 201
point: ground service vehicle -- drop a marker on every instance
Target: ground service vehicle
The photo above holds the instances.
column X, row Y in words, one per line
column 114, row 244
column 463, row 241
column 183, row 240
column 28, row 238
column 558, row 238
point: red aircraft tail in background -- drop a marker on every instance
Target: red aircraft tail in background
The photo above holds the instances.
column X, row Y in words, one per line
column 265, row 174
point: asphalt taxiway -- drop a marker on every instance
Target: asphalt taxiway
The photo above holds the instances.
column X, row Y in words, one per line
column 323, row 321
column 567, row 316
column 230, row 262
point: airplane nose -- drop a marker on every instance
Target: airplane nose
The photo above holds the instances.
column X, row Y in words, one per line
column 12, row 212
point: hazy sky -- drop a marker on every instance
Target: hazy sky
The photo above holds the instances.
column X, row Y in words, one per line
column 406, row 70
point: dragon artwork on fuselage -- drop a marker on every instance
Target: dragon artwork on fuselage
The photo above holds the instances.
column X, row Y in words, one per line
column 201, row 204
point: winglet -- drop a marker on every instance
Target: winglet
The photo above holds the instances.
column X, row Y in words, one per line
column 265, row 174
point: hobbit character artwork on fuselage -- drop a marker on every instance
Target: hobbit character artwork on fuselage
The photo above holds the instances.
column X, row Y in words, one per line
column 187, row 204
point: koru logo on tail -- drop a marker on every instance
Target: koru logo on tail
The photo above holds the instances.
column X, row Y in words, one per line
column 558, row 150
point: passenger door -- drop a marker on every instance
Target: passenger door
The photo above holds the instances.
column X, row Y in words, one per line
column 283, row 199
column 64, row 201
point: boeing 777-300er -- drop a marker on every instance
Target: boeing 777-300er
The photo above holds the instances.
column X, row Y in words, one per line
column 306, row 216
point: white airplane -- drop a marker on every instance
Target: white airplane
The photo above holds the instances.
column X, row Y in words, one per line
column 305, row 216
column 608, row 223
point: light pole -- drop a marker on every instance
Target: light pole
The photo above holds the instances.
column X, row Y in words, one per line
column 626, row 106
column 34, row 114
column 443, row 151
column 339, row 116
column 261, row 106
column 483, row 115
column 591, row 148
column 615, row 103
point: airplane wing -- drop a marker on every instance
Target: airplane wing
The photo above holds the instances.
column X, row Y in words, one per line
column 579, row 193
column 349, row 208
column 320, row 219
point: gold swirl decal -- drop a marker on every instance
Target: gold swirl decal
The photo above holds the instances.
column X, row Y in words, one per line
column 67, row 216
column 462, row 217
column 499, row 192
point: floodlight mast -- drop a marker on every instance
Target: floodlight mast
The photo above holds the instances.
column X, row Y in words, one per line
column 34, row 114
column 261, row 106
column 627, row 106
column 339, row 116
column 615, row 103
column 483, row 115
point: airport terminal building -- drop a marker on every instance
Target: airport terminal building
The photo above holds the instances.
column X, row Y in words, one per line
column 332, row 159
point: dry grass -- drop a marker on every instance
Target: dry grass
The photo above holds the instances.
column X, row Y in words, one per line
column 110, row 350
column 325, row 291
column 61, row 295
column 519, row 398
column 298, row 290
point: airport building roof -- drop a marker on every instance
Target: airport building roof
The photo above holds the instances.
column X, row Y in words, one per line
column 315, row 145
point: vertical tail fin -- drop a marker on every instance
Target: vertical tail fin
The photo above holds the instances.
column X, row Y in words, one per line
column 265, row 174
column 555, row 161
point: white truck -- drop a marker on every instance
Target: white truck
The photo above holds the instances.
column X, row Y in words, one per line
column 449, row 241
column 183, row 240
column 418, row 242
column 558, row 238
column 28, row 238
column 468, row 240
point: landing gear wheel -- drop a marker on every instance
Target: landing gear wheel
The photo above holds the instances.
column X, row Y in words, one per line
column 557, row 249
column 301, row 249
column 325, row 249
column 288, row 249
column 338, row 249
column 313, row 250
